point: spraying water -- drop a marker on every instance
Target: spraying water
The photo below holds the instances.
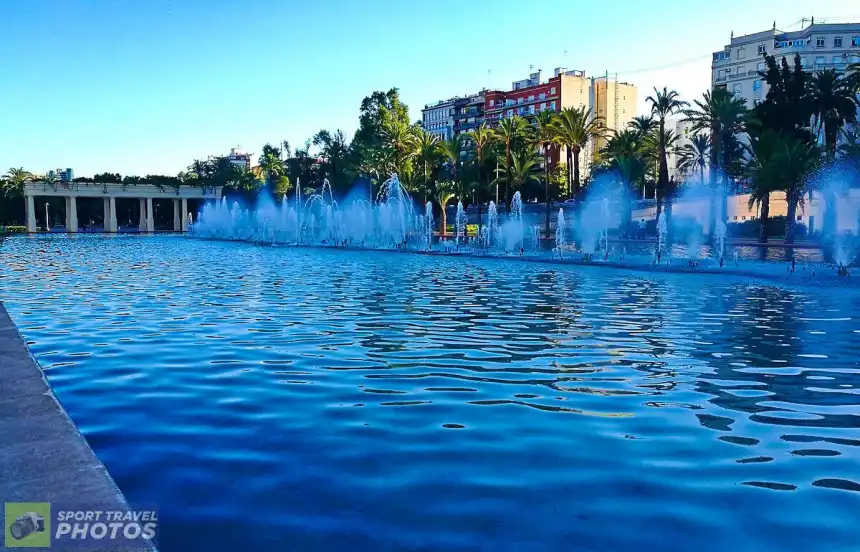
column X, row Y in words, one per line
column 460, row 224
column 662, row 235
column 560, row 234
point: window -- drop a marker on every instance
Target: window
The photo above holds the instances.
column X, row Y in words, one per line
column 737, row 88
column 492, row 102
column 760, row 67
column 762, row 48
column 520, row 100
column 855, row 59
column 542, row 95
column 736, row 217
column 741, row 53
column 799, row 217
column 819, row 42
column 839, row 60
column 552, row 91
column 743, row 218
column 837, row 42
column 803, row 61
column 552, row 106
column 757, row 89
column 543, row 106
column 820, row 60
column 531, row 97
column 855, row 41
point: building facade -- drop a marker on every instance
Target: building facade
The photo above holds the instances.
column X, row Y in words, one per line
column 438, row 119
column 820, row 46
column 615, row 103
column 240, row 159
column 468, row 113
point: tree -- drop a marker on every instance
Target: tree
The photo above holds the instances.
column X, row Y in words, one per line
column 834, row 103
column 450, row 151
column 574, row 128
column 799, row 159
column 693, row 156
column 108, row 178
column 510, row 132
column 722, row 116
column 445, row 190
column 521, row 170
column 271, row 165
column 630, row 170
column 546, row 139
column 663, row 104
column 283, row 186
column 428, row 155
column 399, row 136
column 334, row 149
column 14, row 179
column 765, row 172
column 480, row 140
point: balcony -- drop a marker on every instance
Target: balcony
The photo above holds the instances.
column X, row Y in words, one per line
column 721, row 78
column 526, row 103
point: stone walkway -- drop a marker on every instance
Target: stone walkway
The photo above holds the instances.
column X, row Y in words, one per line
column 43, row 456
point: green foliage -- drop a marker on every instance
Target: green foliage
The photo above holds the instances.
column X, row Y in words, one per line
column 13, row 229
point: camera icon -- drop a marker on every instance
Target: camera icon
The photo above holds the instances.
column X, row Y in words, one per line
column 27, row 524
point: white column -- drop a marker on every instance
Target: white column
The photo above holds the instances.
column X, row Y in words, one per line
column 112, row 205
column 106, row 210
column 177, row 224
column 150, row 220
column 31, row 214
column 184, row 215
column 142, row 226
column 72, row 214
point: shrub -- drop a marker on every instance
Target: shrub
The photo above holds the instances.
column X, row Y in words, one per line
column 13, row 229
column 775, row 228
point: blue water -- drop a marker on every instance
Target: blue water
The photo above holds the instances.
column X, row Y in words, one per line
column 300, row 399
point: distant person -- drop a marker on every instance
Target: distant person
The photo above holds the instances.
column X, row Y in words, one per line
column 641, row 229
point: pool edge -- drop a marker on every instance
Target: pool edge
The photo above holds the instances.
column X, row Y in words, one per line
column 43, row 455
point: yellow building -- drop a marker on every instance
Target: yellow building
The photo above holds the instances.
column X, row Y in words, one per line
column 615, row 103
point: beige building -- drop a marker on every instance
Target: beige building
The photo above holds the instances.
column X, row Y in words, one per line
column 614, row 102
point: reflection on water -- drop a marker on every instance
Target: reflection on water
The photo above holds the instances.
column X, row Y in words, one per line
column 370, row 401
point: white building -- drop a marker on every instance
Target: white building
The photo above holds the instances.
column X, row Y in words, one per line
column 820, row 46
column 438, row 119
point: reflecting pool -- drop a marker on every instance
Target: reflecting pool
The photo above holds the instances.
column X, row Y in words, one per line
column 318, row 399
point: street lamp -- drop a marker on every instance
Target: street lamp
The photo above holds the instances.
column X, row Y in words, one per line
column 47, row 224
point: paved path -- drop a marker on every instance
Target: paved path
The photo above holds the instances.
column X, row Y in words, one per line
column 43, row 456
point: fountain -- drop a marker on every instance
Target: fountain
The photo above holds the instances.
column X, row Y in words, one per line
column 460, row 224
column 662, row 234
column 560, row 237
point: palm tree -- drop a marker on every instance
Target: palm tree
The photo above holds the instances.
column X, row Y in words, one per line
column 722, row 115
column 850, row 147
column 450, row 151
column 798, row 160
column 693, row 156
column 643, row 125
column 764, row 172
column 833, row 103
column 401, row 137
column 333, row 148
column 14, row 179
column 663, row 105
column 271, row 164
column 511, row 130
column 521, row 170
column 574, row 129
column 445, row 190
column 480, row 139
column 853, row 75
column 428, row 154
column 545, row 136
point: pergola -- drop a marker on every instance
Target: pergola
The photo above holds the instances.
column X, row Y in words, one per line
column 109, row 193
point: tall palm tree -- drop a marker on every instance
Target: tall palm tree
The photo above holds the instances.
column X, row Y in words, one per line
column 271, row 164
column 14, row 179
column 798, row 160
column 511, row 131
column 663, row 104
column 643, row 125
column 833, row 103
column 546, row 139
column 575, row 127
column 850, row 147
column 693, row 156
column 722, row 116
column 428, row 154
column 445, row 190
column 853, row 74
column 764, row 171
column 481, row 139
column 450, row 150
column 521, row 170
column 333, row 148
column 401, row 137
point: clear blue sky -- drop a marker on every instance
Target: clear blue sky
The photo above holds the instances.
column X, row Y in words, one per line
column 146, row 87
